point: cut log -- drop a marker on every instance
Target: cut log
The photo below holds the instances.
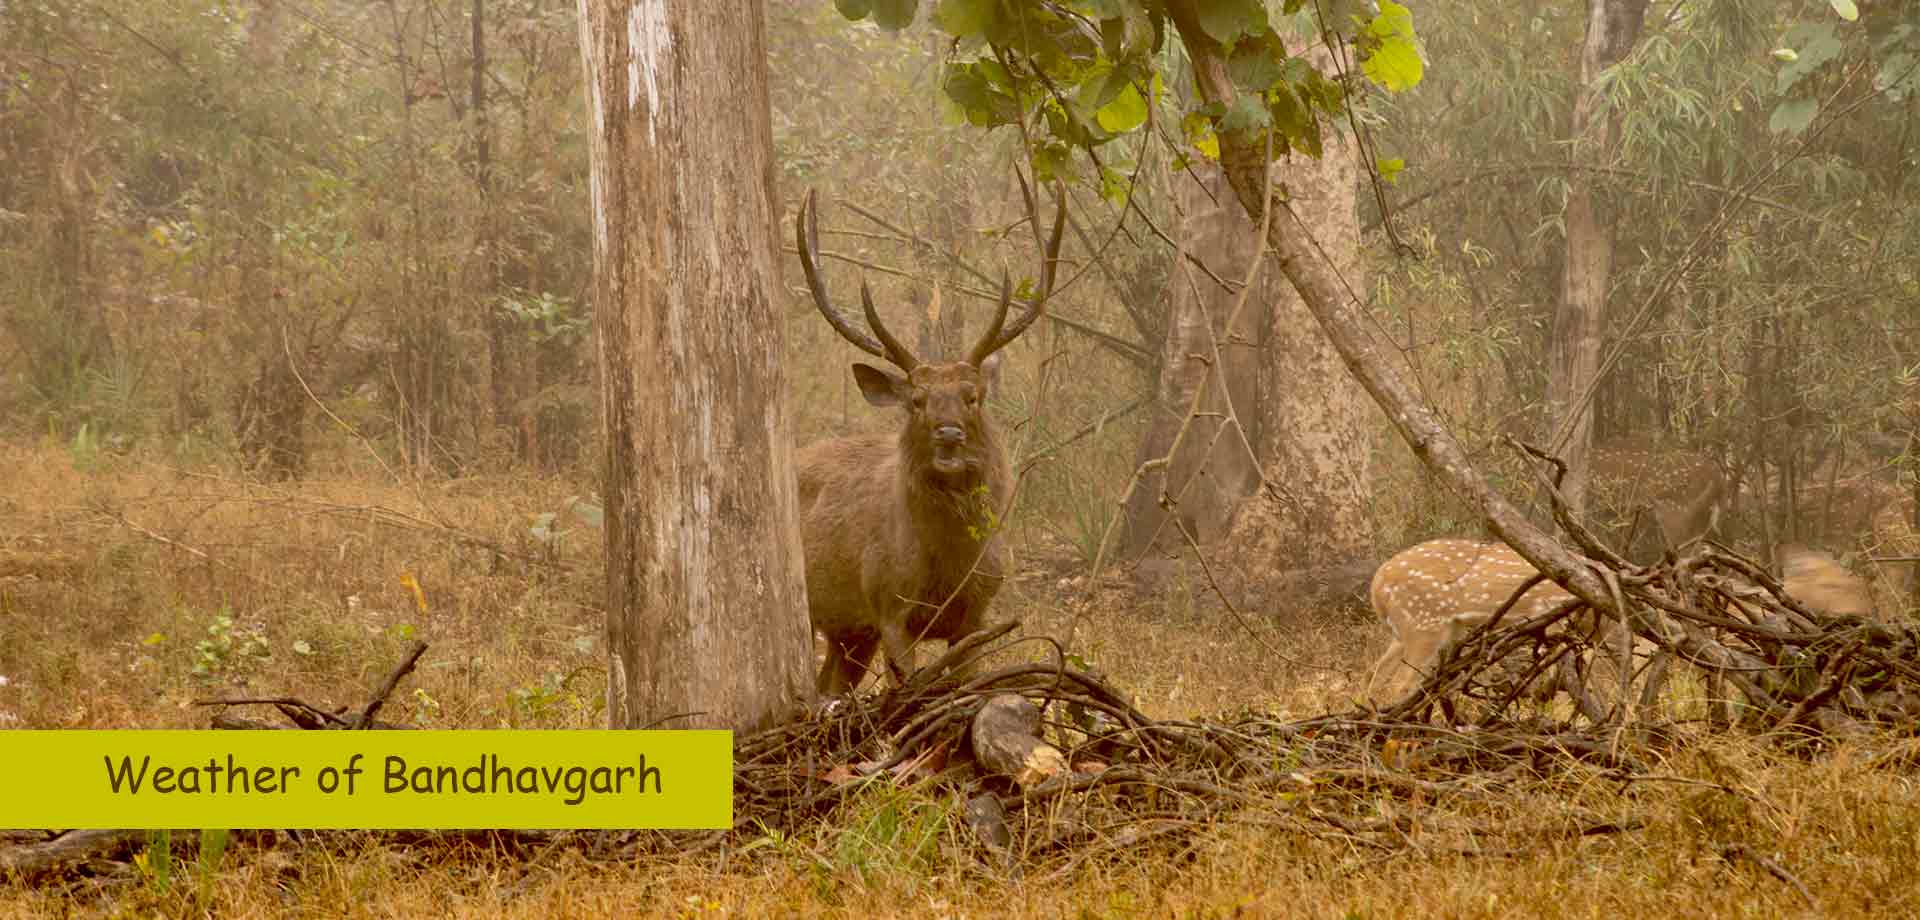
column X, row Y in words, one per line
column 1006, row 741
column 36, row 859
column 988, row 818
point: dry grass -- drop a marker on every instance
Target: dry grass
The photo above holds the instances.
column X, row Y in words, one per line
column 110, row 578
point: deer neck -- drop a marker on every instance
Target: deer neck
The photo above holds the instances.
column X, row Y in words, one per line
column 948, row 511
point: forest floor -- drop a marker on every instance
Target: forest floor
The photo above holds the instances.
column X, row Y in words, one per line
column 128, row 590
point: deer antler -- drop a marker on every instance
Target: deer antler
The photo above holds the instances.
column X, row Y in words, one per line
column 807, row 240
column 998, row 332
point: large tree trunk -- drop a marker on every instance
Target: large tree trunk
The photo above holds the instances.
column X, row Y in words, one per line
column 1334, row 306
column 1573, row 366
column 1197, row 469
column 1271, row 470
column 1312, row 430
column 706, row 598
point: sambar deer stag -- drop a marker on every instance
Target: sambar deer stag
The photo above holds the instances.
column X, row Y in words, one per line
column 901, row 531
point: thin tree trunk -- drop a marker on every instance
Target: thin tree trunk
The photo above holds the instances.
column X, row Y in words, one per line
column 500, row 351
column 706, row 606
column 1573, row 366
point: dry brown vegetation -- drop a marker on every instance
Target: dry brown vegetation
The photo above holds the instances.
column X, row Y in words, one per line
column 115, row 574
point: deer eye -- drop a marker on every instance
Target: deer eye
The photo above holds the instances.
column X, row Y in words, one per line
column 920, row 398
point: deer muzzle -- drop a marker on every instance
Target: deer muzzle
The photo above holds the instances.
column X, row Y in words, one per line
column 949, row 449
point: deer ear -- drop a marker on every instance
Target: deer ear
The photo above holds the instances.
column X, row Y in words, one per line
column 880, row 387
column 990, row 372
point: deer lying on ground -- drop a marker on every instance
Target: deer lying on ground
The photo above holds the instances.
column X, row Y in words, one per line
column 901, row 531
column 1433, row 594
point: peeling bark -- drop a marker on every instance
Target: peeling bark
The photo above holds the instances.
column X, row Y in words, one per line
column 1210, row 469
column 707, row 617
column 1312, row 422
column 1339, row 316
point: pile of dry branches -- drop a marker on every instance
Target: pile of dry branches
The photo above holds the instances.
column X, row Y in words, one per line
column 1764, row 664
column 1055, row 766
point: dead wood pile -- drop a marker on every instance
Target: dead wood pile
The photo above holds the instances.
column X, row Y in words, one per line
column 1048, row 765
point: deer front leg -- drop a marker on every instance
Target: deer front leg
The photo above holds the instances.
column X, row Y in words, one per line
column 898, row 644
column 847, row 661
column 1385, row 673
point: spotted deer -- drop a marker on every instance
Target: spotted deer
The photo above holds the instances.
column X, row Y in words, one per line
column 1866, row 515
column 900, row 531
column 1651, row 500
column 1820, row 582
column 1434, row 593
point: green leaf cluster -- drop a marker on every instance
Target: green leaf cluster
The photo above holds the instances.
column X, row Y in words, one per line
column 1815, row 48
column 1088, row 72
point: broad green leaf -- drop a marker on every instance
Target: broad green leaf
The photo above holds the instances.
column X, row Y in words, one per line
column 1126, row 112
column 1052, row 161
column 1113, row 186
column 971, row 88
column 1246, row 114
column 1846, row 8
column 1227, row 21
column 1813, row 45
column 1199, row 131
column 965, row 18
column 1291, row 115
column 1394, row 63
column 1793, row 116
column 855, row 10
column 1101, row 85
column 1253, row 67
column 1067, row 125
column 894, row 15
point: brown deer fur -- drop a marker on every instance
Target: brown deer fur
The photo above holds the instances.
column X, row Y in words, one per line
column 891, row 538
column 1819, row 581
column 901, row 533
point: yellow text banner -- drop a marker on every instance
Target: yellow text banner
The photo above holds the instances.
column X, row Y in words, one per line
column 370, row 779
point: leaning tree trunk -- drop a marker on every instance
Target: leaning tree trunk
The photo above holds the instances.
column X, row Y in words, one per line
column 706, row 604
column 1313, row 421
column 1573, row 364
column 1196, row 458
column 1335, row 307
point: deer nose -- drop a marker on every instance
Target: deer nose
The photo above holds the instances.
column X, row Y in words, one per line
column 949, row 434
